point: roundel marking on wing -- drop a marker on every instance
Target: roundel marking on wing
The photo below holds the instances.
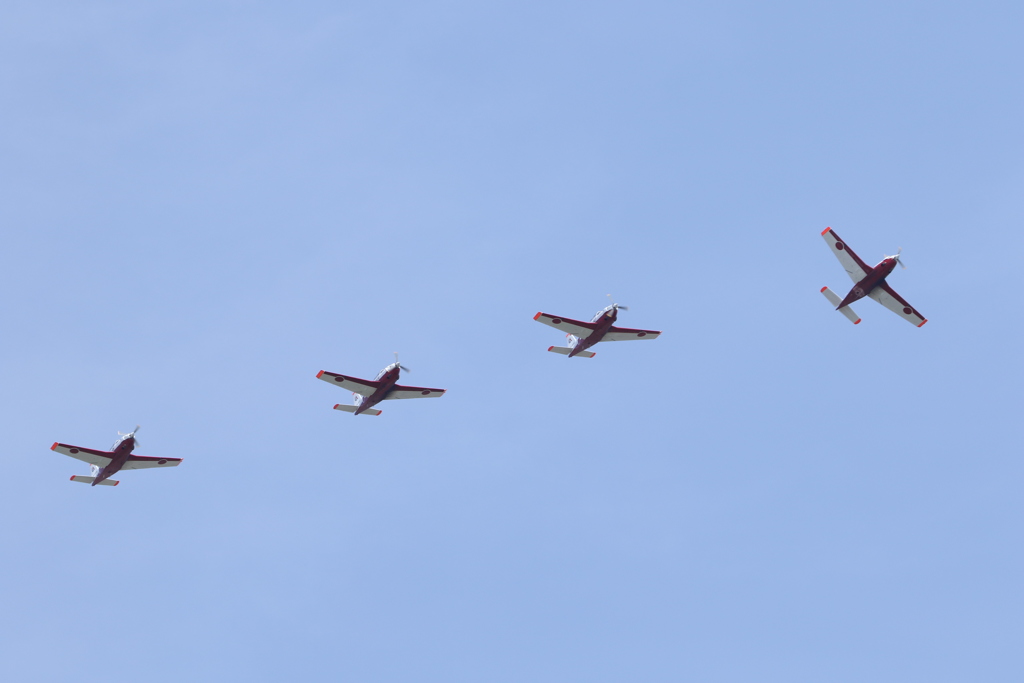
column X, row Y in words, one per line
column 425, row 392
column 641, row 334
column 161, row 461
column 73, row 450
column 840, row 246
column 908, row 310
column 339, row 379
column 557, row 321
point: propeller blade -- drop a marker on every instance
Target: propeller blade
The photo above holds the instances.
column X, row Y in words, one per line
column 130, row 434
column 399, row 364
column 898, row 257
column 624, row 308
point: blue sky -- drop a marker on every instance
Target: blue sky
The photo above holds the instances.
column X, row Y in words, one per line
column 204, row 204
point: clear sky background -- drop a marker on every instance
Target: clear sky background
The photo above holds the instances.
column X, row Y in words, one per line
column 205, row 203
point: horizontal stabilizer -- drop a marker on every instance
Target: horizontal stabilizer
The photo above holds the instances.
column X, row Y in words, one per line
column 89, row 480
column 835, row 301
column 565, row 351
column 352, row 409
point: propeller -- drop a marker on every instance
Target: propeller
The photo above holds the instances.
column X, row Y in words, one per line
column 399, row 364
column 131, row 434
column 615, row 305
column 897, row 255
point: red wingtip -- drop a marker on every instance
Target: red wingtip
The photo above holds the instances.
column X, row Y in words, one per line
column 550, row 347
column 56, row 443
column 825, row 230
column 319, row 373
column 923, row 323
column 73, row 477
column 539, row 314
column 336, row 406
column 857, row 321
column 117, row 482
column 823, row 288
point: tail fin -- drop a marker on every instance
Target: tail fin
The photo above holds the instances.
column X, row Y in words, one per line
column 89, row 480
column 352, row 409
column 835, row 301
column 565, row 352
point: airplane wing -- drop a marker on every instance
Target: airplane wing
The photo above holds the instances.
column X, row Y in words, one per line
column 887, row 296
column 574, row 327
column 400, row 391
column 625, row 334
column 101, row 458
column 851, row 263
column 142, row 462
column 364, row 387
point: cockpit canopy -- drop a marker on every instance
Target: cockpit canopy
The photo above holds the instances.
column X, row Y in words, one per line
column 386, row 370
column 602, row 312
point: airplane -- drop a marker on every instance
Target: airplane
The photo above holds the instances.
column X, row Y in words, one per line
column 580, row 336
column 367, row 393
column 103, row 464
column 868, row 282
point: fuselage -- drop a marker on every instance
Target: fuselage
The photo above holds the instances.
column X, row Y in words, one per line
column 874, row 278
column 388, row 377
column 121, row 450
column 605, row 318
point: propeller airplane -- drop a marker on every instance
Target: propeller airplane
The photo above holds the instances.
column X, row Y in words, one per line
column 368, row 393
column 868, row 282
column 580, row 335
column 104, row 464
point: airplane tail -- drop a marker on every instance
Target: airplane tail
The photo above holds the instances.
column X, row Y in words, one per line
column 565, row 352
column 352, row 409
column 835, row 301
column 89, row 480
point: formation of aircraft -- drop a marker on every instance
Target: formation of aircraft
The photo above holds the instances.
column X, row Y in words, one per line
column 580, row 336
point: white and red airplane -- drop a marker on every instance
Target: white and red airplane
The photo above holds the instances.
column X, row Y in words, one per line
column 367, row 393
column 106, row 463
column 868, row 281
column 580, row 336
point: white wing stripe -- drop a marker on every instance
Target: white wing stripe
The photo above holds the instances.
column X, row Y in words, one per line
column 81, row 454
column 573, row 327
column 839, row 248
column 906, row 312
column 629, row 335
column 350, row 383
column 147, row 464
